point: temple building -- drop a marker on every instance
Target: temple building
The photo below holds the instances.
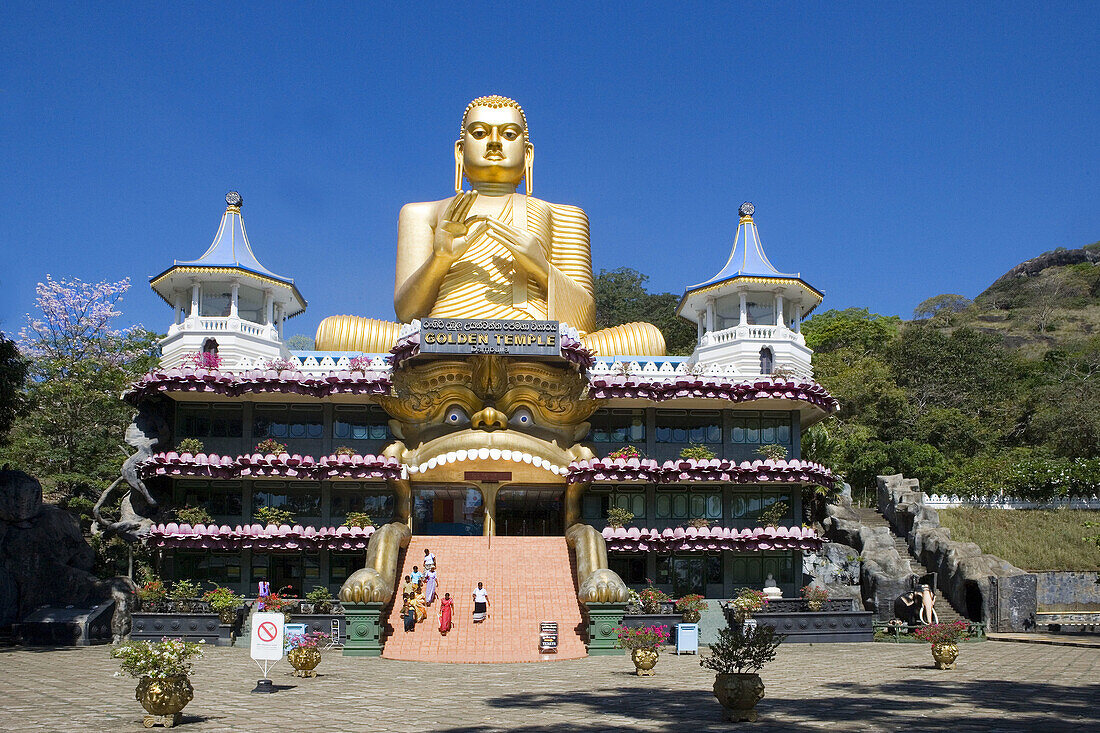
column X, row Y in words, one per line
column 452, row 431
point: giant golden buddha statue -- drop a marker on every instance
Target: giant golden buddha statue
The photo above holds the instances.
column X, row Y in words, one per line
column 491, row 252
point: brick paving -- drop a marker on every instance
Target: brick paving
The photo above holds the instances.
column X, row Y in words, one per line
column 529, row 580
column 838, row 687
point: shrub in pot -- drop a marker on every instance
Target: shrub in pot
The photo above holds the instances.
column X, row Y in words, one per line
column 691, row 608
column 651, row 598
column 194, row 446
column 304, row 652
column 814, row 597
column 162, row 669
column 321, row 599
column 747, row 602
column 225, row 603
column 153, row 596
column 184, row 596
column 643, row 644
column 617, row 517
column 944, row 639
column 736, row 656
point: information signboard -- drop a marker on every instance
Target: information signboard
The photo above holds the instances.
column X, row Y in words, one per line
column 548, row 637
column 267, row 636
column 482, row 336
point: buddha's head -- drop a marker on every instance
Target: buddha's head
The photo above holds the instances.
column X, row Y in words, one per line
column 493, row 146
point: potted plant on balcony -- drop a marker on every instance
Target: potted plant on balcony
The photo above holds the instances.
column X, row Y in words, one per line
column 162, row 669
column 944, row 639
column 643, row 643
column 178, row 611
column 747, row 602
column 270, row 447
column 304, row 652
column 617, row 517
column 737, row 655
column 626, row 453
column 194, row 446
column 266, row 515
column 691, row 608
column 814, row 596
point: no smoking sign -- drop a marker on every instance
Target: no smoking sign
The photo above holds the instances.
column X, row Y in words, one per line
column 267, row 636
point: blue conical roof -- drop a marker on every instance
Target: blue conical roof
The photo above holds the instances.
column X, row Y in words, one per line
column 230, row 247
column 747, row 259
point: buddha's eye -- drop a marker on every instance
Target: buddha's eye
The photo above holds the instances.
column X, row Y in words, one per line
column 455, row 415
column 522, row 418
column 477, row 133
column 510, row 134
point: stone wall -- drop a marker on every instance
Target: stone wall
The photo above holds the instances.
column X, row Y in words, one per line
column 983, row 587
column 883, row 573
column 1068, row 590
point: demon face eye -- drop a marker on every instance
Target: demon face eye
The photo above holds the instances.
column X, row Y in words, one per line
column 522, row 418
column 455, row 415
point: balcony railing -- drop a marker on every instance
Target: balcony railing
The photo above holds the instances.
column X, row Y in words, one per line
column 751, row 333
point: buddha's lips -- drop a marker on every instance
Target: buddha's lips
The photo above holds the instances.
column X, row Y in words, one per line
column 505, row 446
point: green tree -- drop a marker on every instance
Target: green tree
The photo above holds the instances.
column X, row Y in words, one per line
column 13, row 374
column 621, row 297
column 300, row 342
column 852, row 328
column 940, row 308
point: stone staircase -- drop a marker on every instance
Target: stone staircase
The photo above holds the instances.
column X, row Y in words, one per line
column 944, row 609
column 529, row 579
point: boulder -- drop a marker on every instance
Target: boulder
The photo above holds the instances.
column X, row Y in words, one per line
column 20, row 496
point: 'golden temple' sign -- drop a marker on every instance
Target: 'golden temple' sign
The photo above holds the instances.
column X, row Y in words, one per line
column 481, row 336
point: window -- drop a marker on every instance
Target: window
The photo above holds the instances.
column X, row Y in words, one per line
column 209, row 421
column 215, row 300
column 751, row 569
column 301, row 499
column 374, row 499
column 250, row 304
column 685, row 428
column 629, row 567
column 749, row 501
column 760, row 428
column 618, row 427
column 767, row 361
column 288, row 421
column 341, row 565
column 686, row 505
column 689, row 573
column 597, row 502
column 368, row 422
column 220, row 498
column 221, row 568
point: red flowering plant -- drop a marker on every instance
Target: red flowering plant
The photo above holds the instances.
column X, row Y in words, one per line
column 276, row 603
column 749, row 601
column 651, row 597
column 692, row 602
column 814, row 594
column 936, row 634
column 152, row 595
column 270, row 447
column 313, row 640
column 643, row 637
column 203, row 360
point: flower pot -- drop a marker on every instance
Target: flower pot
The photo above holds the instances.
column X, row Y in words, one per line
column 691, row 616
column 304, row 659
column 228, row 616
column 739, row 694
column 815, row 606
column 945, row 655
column 164, row 698
column 644, row 661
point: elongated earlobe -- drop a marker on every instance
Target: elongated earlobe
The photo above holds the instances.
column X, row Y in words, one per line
column 458, row 167
column 529, row 167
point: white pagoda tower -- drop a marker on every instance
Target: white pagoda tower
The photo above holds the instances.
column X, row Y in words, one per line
column 749, row 315
column 226, row 302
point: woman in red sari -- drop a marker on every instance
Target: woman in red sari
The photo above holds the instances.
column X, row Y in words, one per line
column 446, row 610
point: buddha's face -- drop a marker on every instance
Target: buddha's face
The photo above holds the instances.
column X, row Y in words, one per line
column 493, row 145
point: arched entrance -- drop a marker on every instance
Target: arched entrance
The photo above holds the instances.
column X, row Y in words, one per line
column 448, row 510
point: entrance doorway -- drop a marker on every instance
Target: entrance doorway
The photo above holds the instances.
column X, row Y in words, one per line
column 448, row 510
column 529, row 511
column 689, row 573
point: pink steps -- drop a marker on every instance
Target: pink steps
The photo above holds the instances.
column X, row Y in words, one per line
column 529, row 579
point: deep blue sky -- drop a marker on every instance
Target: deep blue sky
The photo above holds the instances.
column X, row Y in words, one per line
column 893, row 151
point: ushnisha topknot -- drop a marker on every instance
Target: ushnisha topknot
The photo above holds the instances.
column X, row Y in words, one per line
column 494, row 101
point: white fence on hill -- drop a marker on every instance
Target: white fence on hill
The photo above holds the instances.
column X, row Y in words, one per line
column 938, row 501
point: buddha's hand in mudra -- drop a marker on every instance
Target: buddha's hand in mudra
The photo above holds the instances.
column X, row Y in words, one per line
column 525, row 247
column 452, row 228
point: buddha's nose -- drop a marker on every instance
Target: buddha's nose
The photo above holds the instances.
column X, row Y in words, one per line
column 489, row 419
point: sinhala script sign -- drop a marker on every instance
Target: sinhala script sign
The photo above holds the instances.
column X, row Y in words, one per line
column 267, row 636
column 480, row 336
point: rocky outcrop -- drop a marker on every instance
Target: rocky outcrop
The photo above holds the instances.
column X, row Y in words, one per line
column 1055, row 258
column 982, row 586
column 883, row 574
column 44, row 558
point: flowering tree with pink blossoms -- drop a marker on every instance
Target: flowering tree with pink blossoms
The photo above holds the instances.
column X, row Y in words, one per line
column 70, row 436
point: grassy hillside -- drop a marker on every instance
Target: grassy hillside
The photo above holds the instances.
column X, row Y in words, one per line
column 1029, row 539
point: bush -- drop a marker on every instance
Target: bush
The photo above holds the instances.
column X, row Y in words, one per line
column 358, row 519
column 773, row 515
column 266, row 515
column 749, row 600
column 344, row 451
column 698, row 452
column 193, row 446
column 275, row 603
column 321, row 599
column 772, row 452
column 651, row 597
column 203, row 360
column 699, row 523
column 167, row 658
column 307, row 641
column 270, row 447
column 152, row 592
column 741, row 650
column 626, row 453
column 941, row 633
column 193, row 515
column 617, row 516
column 222, row 600
column 814, row 593
column 693, row 602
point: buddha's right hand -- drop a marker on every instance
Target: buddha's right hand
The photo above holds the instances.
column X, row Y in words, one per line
column 452, row 227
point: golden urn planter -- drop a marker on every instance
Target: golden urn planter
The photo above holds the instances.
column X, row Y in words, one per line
column 815, row 606
column 164, row 698
column 304, row 659
column 644, row 661
column 739, row 694
column 945, row 655
column 691, row 616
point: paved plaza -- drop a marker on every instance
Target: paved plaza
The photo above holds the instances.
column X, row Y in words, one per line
column 998, row 686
